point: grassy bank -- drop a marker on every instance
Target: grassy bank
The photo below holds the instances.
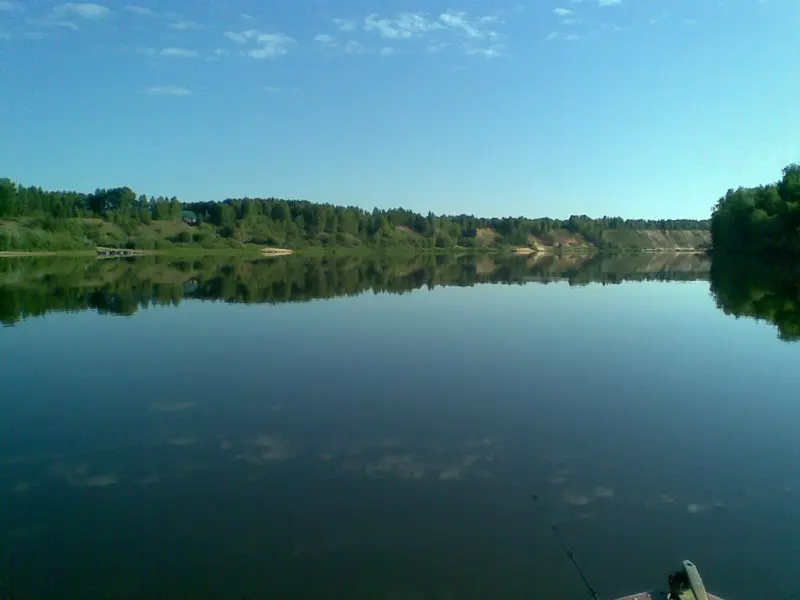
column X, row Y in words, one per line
column 82, row 235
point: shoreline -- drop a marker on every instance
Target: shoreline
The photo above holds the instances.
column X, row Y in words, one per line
column 271, row 252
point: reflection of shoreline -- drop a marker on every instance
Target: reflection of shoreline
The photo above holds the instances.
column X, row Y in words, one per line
column 759, row 289
column 35, row 286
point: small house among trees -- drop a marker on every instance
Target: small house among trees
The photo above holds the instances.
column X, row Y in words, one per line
column 189, row 217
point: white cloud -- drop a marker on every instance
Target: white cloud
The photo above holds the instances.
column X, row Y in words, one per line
column 562, row 12
column 490, row 52
column 4, row 36
column 406, row 25
column 239, row 38
column 247, row 17
column 434, row 30
column 551, row 36
column 608, row 2
column 10, row 5
column 459, row 20
column 221, row 52
column 142, row 11
column 87, row 10
column 184, row 25
column 345, row 24
column 167, row 90
column 272, row 89
column 324, row 38
column 569, row 21
column 270, row 45
column 178, row 52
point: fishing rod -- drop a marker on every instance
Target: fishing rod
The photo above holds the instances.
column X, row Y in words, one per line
column 570, row 555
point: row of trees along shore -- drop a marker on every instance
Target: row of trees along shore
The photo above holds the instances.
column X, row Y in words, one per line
column 763, row 219
column 275, row 222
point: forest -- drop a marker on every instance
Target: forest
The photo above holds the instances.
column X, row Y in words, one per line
column 35, row 219
column 759, row 220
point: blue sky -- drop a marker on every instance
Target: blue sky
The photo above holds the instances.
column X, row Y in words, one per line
column 644, row 108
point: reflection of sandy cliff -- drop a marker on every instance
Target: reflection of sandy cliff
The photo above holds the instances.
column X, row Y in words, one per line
column 581, row 268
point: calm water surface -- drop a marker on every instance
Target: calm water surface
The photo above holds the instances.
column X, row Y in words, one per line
column 288, row 430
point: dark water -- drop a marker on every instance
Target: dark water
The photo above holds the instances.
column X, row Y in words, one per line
column 374, row 429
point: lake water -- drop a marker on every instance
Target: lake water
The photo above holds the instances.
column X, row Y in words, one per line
column 216, row 428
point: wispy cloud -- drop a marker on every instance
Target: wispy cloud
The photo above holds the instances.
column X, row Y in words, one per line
column 272, row 89
column 473, row 28
column 10, row 6
column 555, row 35
column 184, row 25
column 562, row 12
column 167, row 90
column 485, row 52
column 142, row 11
column 269, row 45
column 54, row 22
column 478, row 33
column 406, row 25
column 87, row 10
column 325, row 39
column 608, row 2
column 179, row 52
column 60, row 15
column 348, row 47
column 346, row 24
column 240, row 38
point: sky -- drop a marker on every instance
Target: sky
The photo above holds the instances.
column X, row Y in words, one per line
column 637, row 108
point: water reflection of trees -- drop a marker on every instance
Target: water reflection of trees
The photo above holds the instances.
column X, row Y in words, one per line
column 767, row 291
column 34, row 286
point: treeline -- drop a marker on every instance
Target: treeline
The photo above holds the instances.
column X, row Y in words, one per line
column 31, row 286
column 764, row 219
column 276, row 222
column 288, row 222
column 118, row 204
